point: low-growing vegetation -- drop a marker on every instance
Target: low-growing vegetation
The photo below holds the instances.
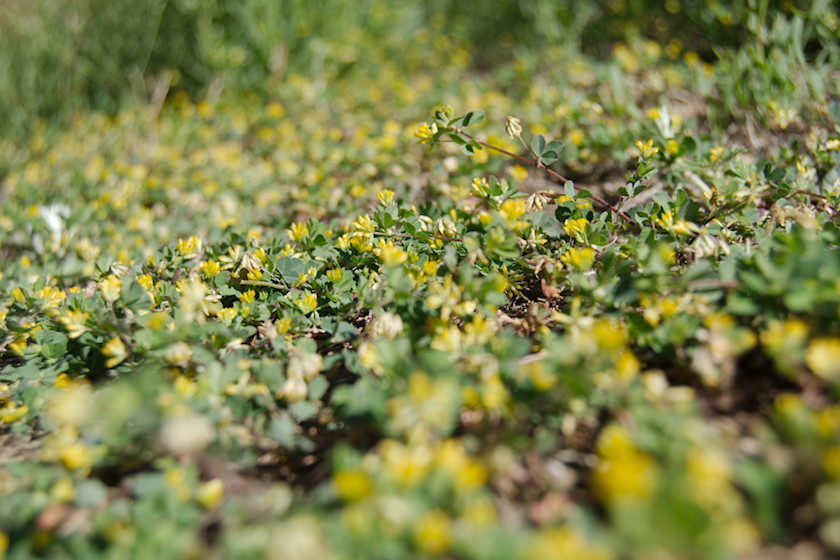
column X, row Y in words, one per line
column 397, row 299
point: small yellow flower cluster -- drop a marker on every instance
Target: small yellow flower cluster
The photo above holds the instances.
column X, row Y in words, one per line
column 52, row 298
column 666, row 222
column 74, row 322
column 110, row 288
column 391, row 255
column 579, row 259
column 566, row 543
column 576, row 228
column 307, row 302
column 623, row 472
column 298, row 231
column 428, row 405
column 385, row 197
column 647, row 149
column 510, row 211
column 10, row 410
column 115, row 352
column 425, row 133
column 190, row 247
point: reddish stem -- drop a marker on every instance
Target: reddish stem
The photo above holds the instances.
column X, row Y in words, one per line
column 539, row 165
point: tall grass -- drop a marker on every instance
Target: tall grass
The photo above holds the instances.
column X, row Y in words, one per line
column 61, row 56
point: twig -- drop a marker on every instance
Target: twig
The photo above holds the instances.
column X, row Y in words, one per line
column 540, row 165
column 409, row 236
column 264, row 283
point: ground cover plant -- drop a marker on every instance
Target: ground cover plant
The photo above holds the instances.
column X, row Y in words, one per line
column 392, row 298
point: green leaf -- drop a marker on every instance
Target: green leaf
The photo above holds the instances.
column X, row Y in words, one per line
column 363, row 397
column 53, row 344
column 289, row 268
column 538, row 144
column 662, row 199
column 135, row 296
column 282, row 430
column 303, row 410
column 569, row 189
column 345, row 332
column 777, row 175
column 317, row 387
column 555, row 146
column 473, row 117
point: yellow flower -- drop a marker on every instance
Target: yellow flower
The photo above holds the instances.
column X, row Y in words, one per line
column 334, row 275
column 283, row 325
column 115, row 351
column 385, row 197
column 11, row 412
column 210, row 493
column 226, row 315
column 715, row 153
column 425, row 133
column 511, row 210
column 76, row 456
column 110, row 288
column 209, row 268
column 518, row 173
column 480, row 187
column 298, row 231
column 307, row 303
column 581, row 259
column 831, row 462
column 391, row 255
column 52, row 298
column 623, row 472
column 18, row 296
column 146, row 281
column 62, row 491
column 433, row 532
column 363, row 224
column 576, row 228
column 566, row 543
column 541, row 379
column 407, row 466
column 188, row 247
column 823, row 357
column 352, row 485
column 647, row 148
column 74, row 322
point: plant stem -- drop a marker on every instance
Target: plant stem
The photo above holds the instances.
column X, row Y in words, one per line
column 540, row 165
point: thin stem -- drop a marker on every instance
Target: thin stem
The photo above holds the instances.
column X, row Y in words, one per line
column 540, row 165
column 264, row 283
column 406, row 235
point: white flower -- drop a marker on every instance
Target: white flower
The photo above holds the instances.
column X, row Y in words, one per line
column 294, row 389
column 513, row 127
column 186, row 435
column 304, row 365
column 388, row 325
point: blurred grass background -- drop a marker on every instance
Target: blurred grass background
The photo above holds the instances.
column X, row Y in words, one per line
column 60, row 57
